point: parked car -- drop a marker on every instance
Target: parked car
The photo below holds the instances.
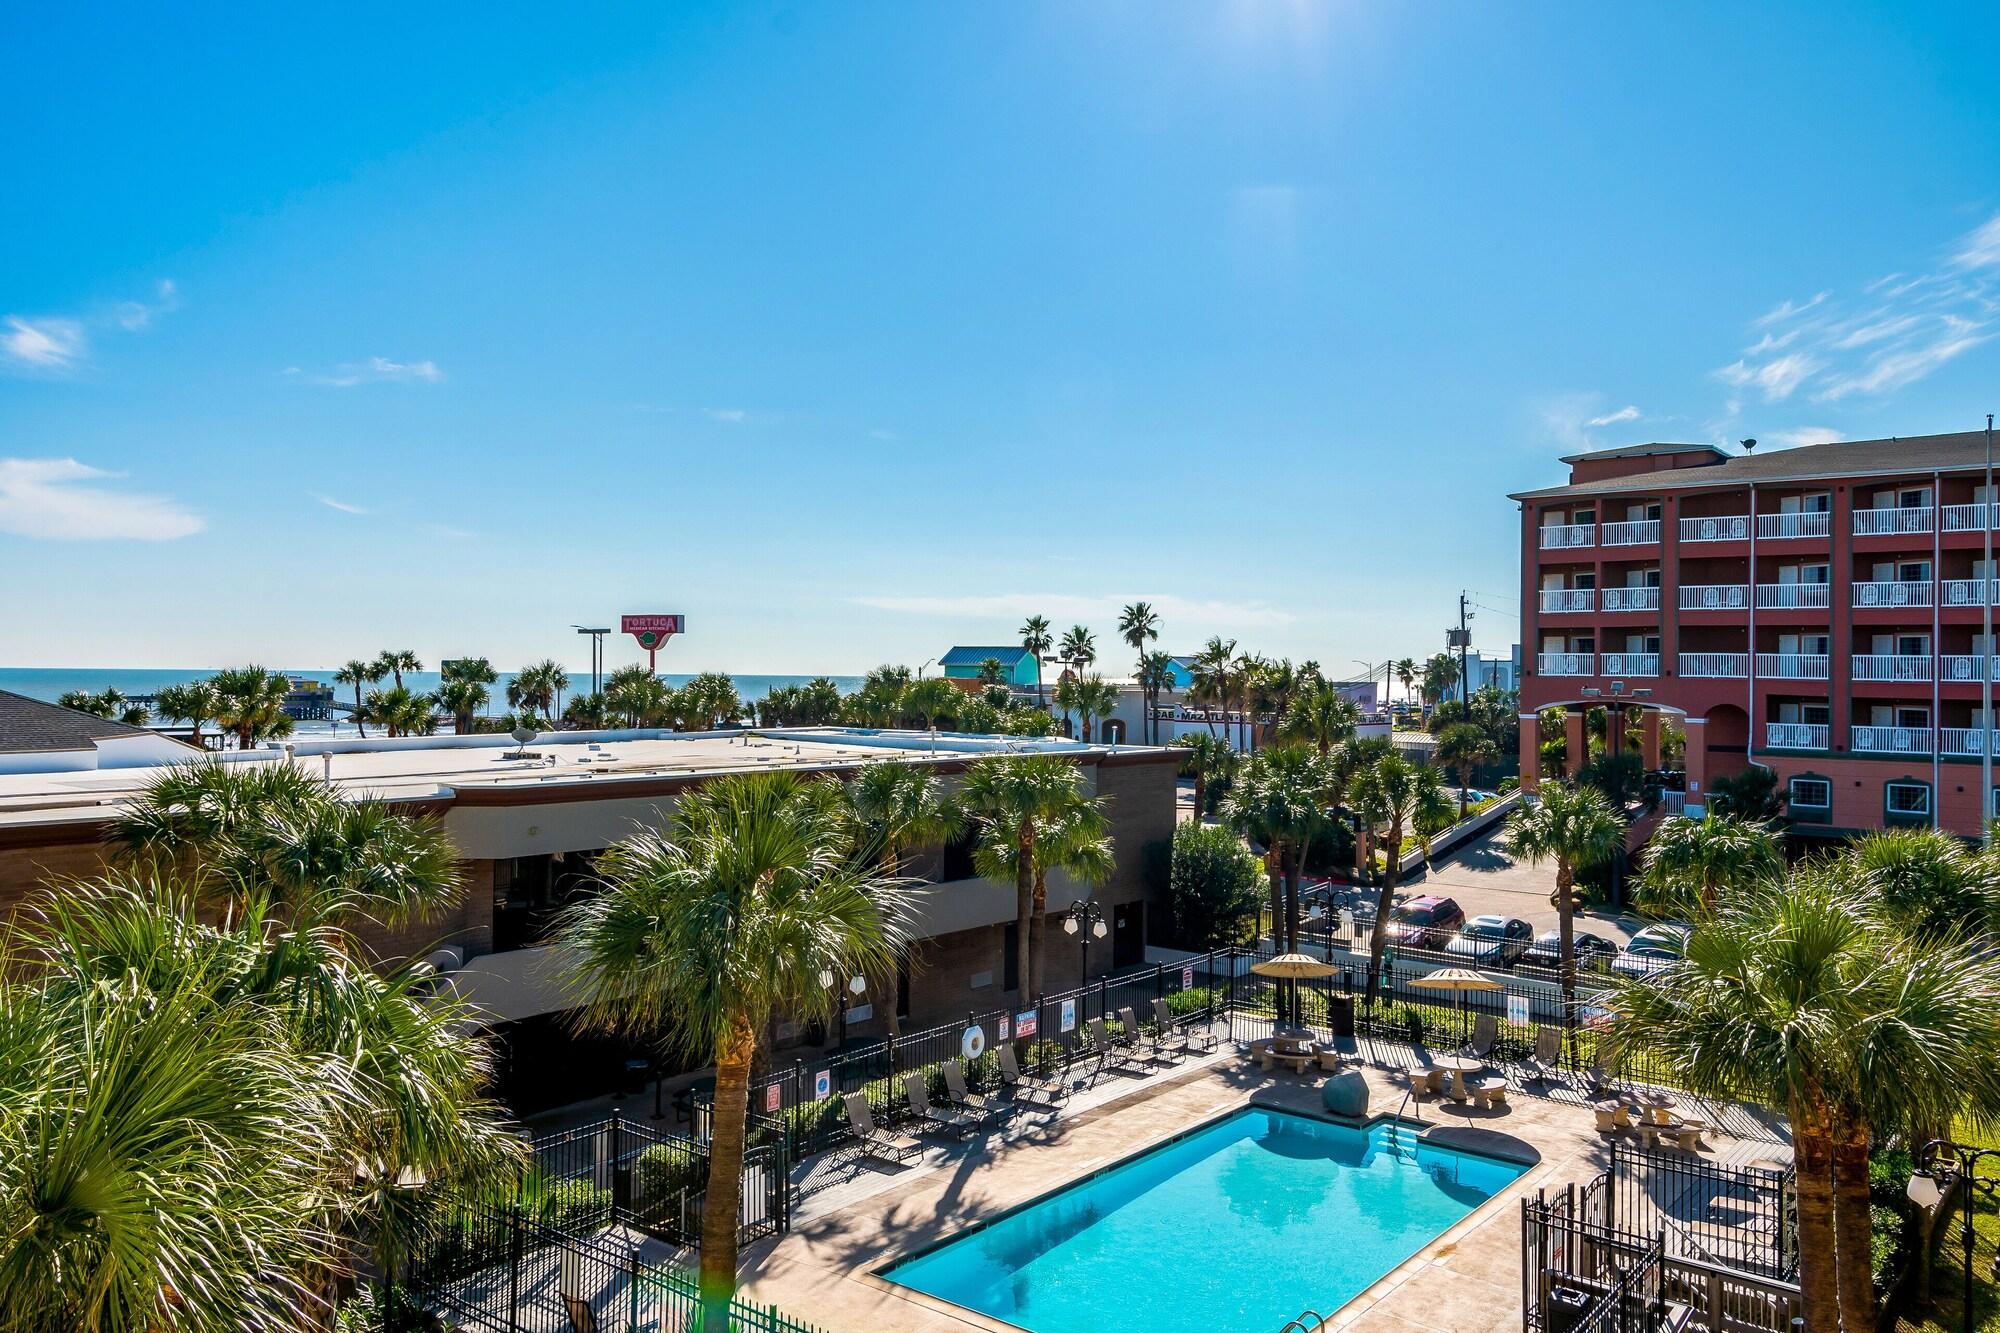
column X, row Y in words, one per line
column 1593, row 952
column 1427, row 922
column 1493, row 941
column 1651, row 948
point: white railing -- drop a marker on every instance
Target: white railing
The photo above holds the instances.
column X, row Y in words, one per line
column 1964, row 518
column 1631, row 599
column 1556, row 535
column 1882, row 666
column 1915, row 593
column 1714, row 597
column 1817, row 524
column 1890, row 740
column 1966, row 592
column 1887, row 522
column 1569, row 599
column 1567, row 664
column 1724, row 528
column 1631, row 532
column 1794, row 596
column 1964, row 740
column 1792, row 666
column 1631, row 664
column 1796, row 735
column 1715, row 666
column 1966, row 667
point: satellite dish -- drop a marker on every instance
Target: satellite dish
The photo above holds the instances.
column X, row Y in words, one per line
column 522, row 735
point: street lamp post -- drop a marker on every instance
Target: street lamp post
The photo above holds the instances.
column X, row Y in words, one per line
column 1939, row 1163
column 855, row 985
column 596, row 655
column 1085, row 920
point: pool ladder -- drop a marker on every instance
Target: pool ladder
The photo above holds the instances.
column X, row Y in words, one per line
column 1309, row 1322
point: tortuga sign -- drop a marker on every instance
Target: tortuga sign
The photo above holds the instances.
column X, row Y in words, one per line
column 652, row 631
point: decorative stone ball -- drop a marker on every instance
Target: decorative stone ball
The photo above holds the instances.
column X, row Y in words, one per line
column 1346, row 1095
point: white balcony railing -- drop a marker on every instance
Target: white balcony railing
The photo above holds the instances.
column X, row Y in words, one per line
column 1631, row 532
column 1567, row 664
column 1714, row 596
column 1630, row 599
column 1965, row 740
column 1792, row 666
column 1794, row 596
column 1966, row 592
column 1888, row 522
column 1890, row 740
column 1882, row 666
column 1966, row 667
column 1723, row 528
column 1796, row 735
column 1794, row 525
column 1558, row 535
column 1631, row 664
column 1715, row 666
column 1916, row 593
column 1569, row 599
column 1965, row 518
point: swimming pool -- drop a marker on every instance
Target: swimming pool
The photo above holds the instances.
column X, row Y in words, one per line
column 1233, row 1228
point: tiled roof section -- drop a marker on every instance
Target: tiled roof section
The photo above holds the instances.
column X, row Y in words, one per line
column 975, row 656
column 30, row 724
column 1809, row 462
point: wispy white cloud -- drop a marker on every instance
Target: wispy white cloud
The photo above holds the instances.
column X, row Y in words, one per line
column 1907, row 363
column 1788, row 310
column 1075, row 607
column 1626, row 413
column 132, row 316
column 340, row 505
column 60, row 499
column 44, row 344
column 375, row 370
column 1980, row 247
column 733, row 416
column 1778, row 378
column 1800, row 435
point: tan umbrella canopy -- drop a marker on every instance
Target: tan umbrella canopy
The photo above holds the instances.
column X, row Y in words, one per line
column 1294, row 967
column 1454, row 978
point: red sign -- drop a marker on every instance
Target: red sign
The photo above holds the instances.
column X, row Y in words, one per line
column 652, row 631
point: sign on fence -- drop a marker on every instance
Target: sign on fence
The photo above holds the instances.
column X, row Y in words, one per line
column 1069, row 1015
column 822, row 1085
column 972, row 1042
column 1026, row 1023
column 1004, row 1025
column 1517, row 1010
column 1187, row 977
column 773, row 1097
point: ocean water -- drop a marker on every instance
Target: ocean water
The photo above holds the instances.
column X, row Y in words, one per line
column 1235, row 1228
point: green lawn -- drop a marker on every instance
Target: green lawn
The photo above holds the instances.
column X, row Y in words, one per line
column 1948, row 1272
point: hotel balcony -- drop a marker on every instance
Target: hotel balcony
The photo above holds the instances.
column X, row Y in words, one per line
column 1891, row 522
column 1868, row 595
column 1797, row 735
column 1966, row 668
column 1727, row 528
column 1778, row 526
column 1968, row 518
column 1966, row 592
column 1556, row 536
column 1792, row 666
column 1631, row 664
column 1633, row 532
column 1566, row 664
column 1715, row 666
column 1890, row 740
column 1569, row 599
column 1794, row 596
column 1714, row 596
column 1881, row 667
column 1961, row 741
column 1630, row 599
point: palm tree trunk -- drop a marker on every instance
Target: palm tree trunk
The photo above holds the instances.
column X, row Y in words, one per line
column 1853, row 1229
column 360, row 727
column 1200, row 794
column 1566, row 950
column 1818, row 1286
column 1378, row 939
column 1039, row 924
column 1024, row 909
column 724, row 1198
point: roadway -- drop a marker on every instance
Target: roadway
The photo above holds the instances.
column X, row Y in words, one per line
column 1483, row 879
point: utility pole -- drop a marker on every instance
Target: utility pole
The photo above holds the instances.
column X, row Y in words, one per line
column 1464, row 642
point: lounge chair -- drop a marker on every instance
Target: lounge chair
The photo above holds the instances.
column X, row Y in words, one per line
column 990, row 1108
column 1485, row 1033
column 876, row 1142
column 1144, row 1043
column 581, row 1317
column 1047, row 1093
column 936, row 1117
column 1601, row 1079
column 1546, row 1063
column 1112, row 1055
column 1192, row 1041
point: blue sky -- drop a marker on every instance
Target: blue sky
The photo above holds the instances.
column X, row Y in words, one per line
column 853, row 331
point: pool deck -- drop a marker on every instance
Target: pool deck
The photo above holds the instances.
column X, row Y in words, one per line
column 862, row 1215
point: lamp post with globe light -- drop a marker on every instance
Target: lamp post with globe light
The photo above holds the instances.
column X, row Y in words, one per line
column 855, row 985
column 1940, row 1163
column 1085, row 920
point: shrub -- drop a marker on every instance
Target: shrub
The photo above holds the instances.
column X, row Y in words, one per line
column 1193, row 1000
column 1215, row 886
column 576, row 1206
column 664, row 1171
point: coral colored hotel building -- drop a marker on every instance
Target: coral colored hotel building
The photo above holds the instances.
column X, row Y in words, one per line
column 1817, row 610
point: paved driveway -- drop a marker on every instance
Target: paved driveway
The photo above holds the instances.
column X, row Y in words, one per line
column 1485, row 879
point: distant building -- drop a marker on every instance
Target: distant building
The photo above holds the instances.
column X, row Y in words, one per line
column 39, row 737
column 1017, row 664
column 1502, row 673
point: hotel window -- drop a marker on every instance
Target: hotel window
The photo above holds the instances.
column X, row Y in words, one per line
column 1818, row 502
column 1812, row 793
column 1907, row 798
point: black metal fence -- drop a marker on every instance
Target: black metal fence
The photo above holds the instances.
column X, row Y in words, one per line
column 1742, row 1217
column 631, row 1172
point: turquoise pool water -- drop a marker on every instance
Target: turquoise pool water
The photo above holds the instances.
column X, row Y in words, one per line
column 1235, row 1228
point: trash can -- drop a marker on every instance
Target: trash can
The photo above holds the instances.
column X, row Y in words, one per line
column 636, row 1070
column 1565, row 1310
column 1340, row 1014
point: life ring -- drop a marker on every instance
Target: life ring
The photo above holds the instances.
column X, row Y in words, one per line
column 972, row 1044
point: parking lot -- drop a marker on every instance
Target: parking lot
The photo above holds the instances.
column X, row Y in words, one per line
column 1484, row 879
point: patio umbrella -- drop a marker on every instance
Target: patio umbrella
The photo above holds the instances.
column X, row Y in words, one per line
column 1462, row 980
column 1294, row 967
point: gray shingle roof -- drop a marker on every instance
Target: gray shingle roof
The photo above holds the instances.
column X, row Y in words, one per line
column 30, row 724
column 1809, row 462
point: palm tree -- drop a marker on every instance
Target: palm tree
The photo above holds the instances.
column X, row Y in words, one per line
column 710, row 699
column 1462, row 747
column 1406, row 673
column 931, row 699
column 1066, row 699
column 1206, row 758
column 1687, row 862
column 1138, row 625
column 1011, row 799
column 1094, row 696
column 1574, row 827
column 395, row 662
column 1156, row 677
column 1214, row 678
column 401, row 711
column 1278, row 799
column 464, row 689
column 1037, row 639
column 193, row 702
column 709, row 928
column 1440, row 674
column 1399, row 798
column 903, row 807
column 356, row 674
column 1321, row 717
column 539, row 687
column 251, row 703
column 1930, row 881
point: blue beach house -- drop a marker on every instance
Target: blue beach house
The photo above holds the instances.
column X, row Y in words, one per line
column 1017, row 664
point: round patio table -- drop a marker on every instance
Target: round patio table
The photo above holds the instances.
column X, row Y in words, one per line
column 1458, row 1066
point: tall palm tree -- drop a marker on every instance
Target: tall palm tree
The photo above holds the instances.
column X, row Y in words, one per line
column 1066, row 698
column 1406, row 674
column 356, row 674
column 903, row 807
column 1156, row 677
column 1462, row 748
column 1139, row 625
column 1278, row 799
column 193, row 702
column 1574, row 827
column 1078, row 650
column 396, row 661
column 1205, row 758
column 251, row 703
column 1012, row 799
column 1688, row 862
column 1094, row 697
column 1399, row 798
column 1440, row 673
column 1037, row 639
column 1214, row 676
column 465, row 687
column 707, row 929
column 1321, row 716
column 539, row 687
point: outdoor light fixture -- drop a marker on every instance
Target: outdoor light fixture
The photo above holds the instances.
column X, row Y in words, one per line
column 1618, row 687
column 1924, row 1190
column 1085, row 920
column 1590, row 691
column 1940, row 1164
